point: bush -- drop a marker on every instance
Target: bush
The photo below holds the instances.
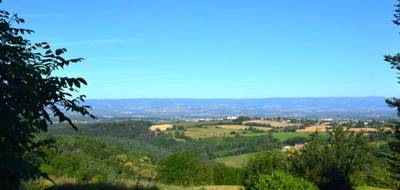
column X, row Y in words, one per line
column 184, row 169
column 263, row 164
column 295, row 140
column 280, row 180
column 87, row 160
column 330, row 162
column 224, row 175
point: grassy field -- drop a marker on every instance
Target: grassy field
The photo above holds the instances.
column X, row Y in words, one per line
column 208, row 131
column 226, row 131
column 237, row 161
column 282, row 136
column 272, row 123
column 218, row 131
column 314, row 128
column 237, row 127
column 201, row 123
column 161, row 127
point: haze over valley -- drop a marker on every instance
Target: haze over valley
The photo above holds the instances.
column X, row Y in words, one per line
column 189, row 109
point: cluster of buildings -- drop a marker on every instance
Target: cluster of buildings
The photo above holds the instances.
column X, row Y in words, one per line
column 296, row 147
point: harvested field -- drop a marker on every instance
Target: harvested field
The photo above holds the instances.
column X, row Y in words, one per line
column 237, row 127
column 283, row 136
column 273, row 123
column 161, row 127
column 319, row 128
column 362, row 130
column 211, row 131
column 263, row 128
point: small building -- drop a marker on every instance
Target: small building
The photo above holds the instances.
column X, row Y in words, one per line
column 231, row 117
column 299, row 146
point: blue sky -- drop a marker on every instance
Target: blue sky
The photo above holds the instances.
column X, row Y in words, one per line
column 221, row 48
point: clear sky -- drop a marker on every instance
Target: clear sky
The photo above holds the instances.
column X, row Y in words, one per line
column 221, row 48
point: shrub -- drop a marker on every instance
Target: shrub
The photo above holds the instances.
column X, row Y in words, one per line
column 280, row 180
column 184, row 169
column 224, row 175
column 295, row 140
column 263, row 164
column 330, row 162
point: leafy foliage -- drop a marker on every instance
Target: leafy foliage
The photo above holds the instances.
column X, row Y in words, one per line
column 394, row 157
column 239, row 120
column 29, row 94
column 86, row 159
column 224, row 175
column 295, row 140
column 329, row 162
column 263, row 164
column 120, row 129
column 279, row 180
column 184, row 169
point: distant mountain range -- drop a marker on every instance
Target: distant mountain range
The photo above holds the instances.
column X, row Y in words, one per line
column 325, row 107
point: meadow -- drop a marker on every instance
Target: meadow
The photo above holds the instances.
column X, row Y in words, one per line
column 237, row 161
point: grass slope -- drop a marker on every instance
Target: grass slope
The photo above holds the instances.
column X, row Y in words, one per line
column 237, row 161
column 283, row 136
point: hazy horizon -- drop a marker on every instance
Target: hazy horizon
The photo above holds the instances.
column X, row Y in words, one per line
column 228, row 98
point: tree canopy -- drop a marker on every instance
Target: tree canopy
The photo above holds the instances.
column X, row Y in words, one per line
column 394, row 157
column 31, row 97
column 330, row 162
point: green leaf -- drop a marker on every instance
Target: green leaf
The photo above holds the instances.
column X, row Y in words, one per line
column 77, row 83
column 81, row 80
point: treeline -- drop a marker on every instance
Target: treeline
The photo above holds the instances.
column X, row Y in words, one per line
column 84, row 160
column 134, row 135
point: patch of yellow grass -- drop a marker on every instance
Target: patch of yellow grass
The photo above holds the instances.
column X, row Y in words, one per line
column 362, row 130
column 263, row 129
column 237, row 127
column 161, row 127
column 314, row 128
column 273, row 123
column 211, row 131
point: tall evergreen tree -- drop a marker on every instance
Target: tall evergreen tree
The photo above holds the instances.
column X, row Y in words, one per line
column 394, row 157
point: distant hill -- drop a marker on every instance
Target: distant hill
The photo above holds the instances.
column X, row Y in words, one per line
column 325, row 107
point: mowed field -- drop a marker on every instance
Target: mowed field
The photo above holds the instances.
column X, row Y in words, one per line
column 237, row 161
column 236, row 127
column 161, row 127
column 361, row 130
column 217, row 131
column 314, row 128
column 273, row 123
column 208, row 131
column 283, row 136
